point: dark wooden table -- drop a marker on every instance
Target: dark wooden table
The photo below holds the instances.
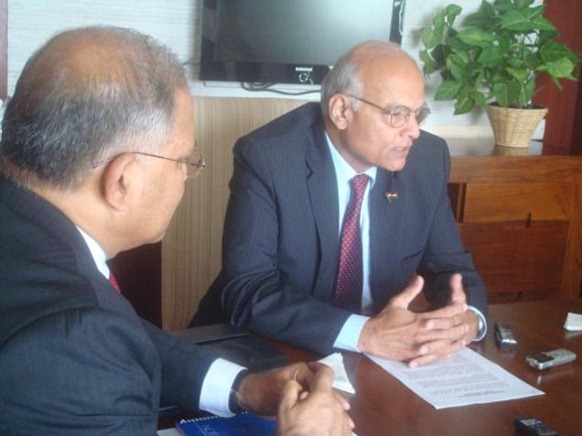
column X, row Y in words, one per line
column 384, row 406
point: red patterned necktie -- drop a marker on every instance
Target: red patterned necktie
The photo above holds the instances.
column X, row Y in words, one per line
column 348, row 288
column 113, row 282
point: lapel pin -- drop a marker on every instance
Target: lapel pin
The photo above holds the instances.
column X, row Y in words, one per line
column 391, row 196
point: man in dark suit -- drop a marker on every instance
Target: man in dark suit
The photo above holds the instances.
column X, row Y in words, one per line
column 97, row 143
column 283, row 230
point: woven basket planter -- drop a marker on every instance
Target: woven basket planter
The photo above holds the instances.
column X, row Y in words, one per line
column 514, row 127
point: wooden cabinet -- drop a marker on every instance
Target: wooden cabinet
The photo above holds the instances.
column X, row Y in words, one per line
column 520, row 219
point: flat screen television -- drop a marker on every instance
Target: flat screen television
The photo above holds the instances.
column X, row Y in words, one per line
column 289, row 41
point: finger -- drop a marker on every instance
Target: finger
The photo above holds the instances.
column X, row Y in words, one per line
column 423, row 360
column 323, row 379
column 449, row 333
column 448, row 325
column 409, row 293
column 438, row 350
column 347, row 425
column 450, row 311
column 457, row 292
column 290, row 394
column 341, row 399
column 314, row 366
column 351, row 424
column 302, row 373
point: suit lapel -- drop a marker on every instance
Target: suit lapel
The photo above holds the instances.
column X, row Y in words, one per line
column 385, row 226
column 322, row 190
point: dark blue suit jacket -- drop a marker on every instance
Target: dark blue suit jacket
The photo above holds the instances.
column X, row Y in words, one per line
column 74, row 356
column 281, row 238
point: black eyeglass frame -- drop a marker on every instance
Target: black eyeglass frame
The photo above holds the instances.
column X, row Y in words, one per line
column 420, row 114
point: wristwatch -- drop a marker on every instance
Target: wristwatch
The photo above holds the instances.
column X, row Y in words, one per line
column 481, row 324
column 233, row 397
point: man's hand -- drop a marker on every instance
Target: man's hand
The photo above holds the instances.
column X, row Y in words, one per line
column 260, row 393
column 398, row 333
column 321, row 411
column 469, row 317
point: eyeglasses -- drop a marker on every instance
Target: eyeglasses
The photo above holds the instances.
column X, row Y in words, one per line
column 193, row 169
column 399, row 115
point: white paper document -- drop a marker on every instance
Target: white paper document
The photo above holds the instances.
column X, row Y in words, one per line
column 466, row 378
column 341, row 380
column 573, row 322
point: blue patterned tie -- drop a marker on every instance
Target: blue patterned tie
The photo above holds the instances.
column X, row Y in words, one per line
column 348, row 288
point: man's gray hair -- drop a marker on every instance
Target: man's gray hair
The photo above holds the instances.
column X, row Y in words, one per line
column 344, row 76
column 86, row 95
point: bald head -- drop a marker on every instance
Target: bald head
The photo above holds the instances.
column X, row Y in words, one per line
column 84, row 95
column 370, row 101
column 106, row 58
column 369, row 64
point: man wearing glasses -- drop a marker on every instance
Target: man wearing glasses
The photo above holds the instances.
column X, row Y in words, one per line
column 339, row 218
column 97, row 144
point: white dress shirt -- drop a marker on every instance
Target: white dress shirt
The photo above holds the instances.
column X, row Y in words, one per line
column 218, row 381
column 349, row 335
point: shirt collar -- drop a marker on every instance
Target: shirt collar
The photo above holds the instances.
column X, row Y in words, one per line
column 343, row 170
column 96, row 252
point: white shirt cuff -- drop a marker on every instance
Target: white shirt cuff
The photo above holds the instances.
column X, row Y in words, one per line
column 350, row 333
column 216, row 387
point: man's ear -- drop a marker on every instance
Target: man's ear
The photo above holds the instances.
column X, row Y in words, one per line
column 118, row 180
column 340, row 111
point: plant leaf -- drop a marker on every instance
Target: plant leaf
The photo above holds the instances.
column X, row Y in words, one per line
column 507, row 93
column 447, row 90
column 451, row 12
column 504, row 5
column 490, row 56
column 561, row 68
column 480, row 99
column 429, row 66
column 531, row 13
column 457, row 64
column 544, row 24
column 484, row 18
column 523, row 4
column 554, row 51
column 430, row 37
column 528, row 92
column 520, row 74
column 476, row 37
column 517, row 22
column 440, row 54
column 464, row 103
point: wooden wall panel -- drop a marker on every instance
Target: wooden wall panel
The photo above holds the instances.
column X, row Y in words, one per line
column 192, row 247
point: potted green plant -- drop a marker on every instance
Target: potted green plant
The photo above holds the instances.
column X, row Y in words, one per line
column 493, row 59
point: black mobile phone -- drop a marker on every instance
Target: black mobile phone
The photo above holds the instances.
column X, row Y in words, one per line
column 533, row 427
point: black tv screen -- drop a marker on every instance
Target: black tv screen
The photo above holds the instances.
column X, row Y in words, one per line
column 289, row 41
